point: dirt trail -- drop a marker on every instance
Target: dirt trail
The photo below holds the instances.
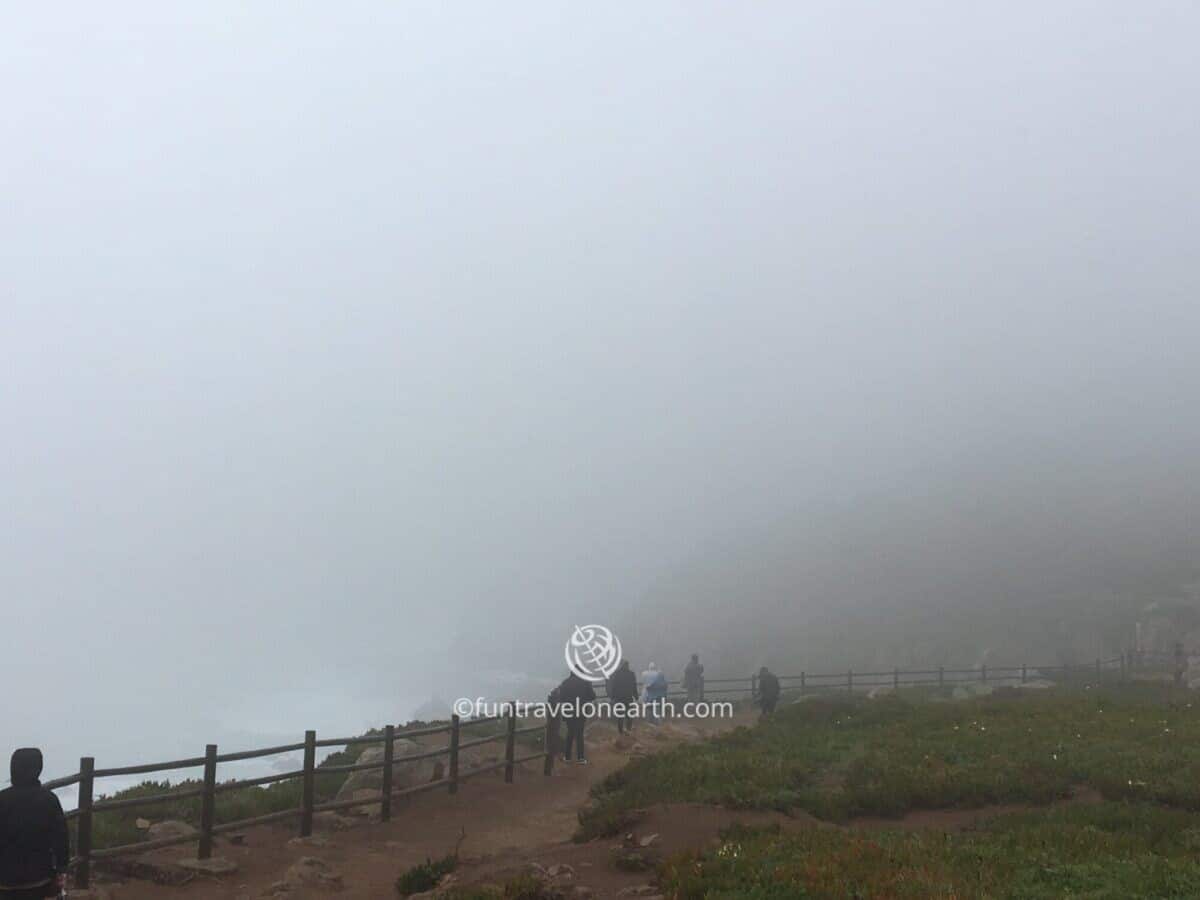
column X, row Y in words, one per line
column 506, row 827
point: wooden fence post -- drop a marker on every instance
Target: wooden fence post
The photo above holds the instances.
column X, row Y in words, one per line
column 551, row 734
column 941, row 676
column 1124, row 673
column 895, row 679
column 454, row 728
column 510, row 743
column 307, row 792
column 1098, row 675
column 803, row 685
column 850, row 680
column 83, row 840
column 1024, row 674
column 753, row 686
column 208, row 802
column 983, row 674
column 389, row 754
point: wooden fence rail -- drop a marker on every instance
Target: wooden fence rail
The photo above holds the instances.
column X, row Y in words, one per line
column 1121, row 666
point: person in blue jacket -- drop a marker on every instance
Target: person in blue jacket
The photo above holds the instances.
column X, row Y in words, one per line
column 654, row 692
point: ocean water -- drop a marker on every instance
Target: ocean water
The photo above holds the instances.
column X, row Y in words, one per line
column 246, row 722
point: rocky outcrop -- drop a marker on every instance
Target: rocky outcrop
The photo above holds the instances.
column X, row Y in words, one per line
column 171, row 828
column 404, row 773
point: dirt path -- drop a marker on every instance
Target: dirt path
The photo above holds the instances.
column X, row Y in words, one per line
column 506, row 827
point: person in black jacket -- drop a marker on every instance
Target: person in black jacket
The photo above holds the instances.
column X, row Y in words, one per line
column 573, row 693
column 768, row 690
column 623, row 692
column 34, row 847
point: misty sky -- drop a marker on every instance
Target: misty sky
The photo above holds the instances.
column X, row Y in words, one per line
column 338, row 338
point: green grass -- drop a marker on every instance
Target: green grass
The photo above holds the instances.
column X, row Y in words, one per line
column 425, row 876
column 1112, row 851
column 843, row 756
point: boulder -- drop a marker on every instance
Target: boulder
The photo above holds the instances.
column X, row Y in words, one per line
column 404, row 774
column 370, row 799
column 171, row 828
column 216, row 865
column 311, row 871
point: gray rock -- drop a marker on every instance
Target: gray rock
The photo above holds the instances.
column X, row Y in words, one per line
column 217, row 865
column 404, row 774
column 311, row 841
column 310, row 871
column 171, row 828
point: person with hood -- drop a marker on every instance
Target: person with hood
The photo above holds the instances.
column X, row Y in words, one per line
column 768, row 690
column 622, row 691
column 573, row 694
column 34, row 846
column 693, row 679
column 654, row 692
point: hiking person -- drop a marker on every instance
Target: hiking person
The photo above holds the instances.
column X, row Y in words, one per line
column 622, row 691
column 34, row 846
column 573, row 694
column 693, row 679
column 768, row 690
column 654, row 692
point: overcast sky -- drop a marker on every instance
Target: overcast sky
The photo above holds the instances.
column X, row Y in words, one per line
column 336, row 338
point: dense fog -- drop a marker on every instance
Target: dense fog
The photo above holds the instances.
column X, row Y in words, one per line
column 349, row 355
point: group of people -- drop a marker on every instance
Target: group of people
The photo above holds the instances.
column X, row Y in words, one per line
column 622, row 689
column 34, row 844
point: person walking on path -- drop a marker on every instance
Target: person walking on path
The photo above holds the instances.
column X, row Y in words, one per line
column 768, row 690
column 573, row 695
column 622, row 691
column 654, row 692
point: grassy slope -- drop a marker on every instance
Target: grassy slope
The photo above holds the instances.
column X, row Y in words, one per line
column 842, row 757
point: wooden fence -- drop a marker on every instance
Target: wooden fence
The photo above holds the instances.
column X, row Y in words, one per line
column 1119, row 667
column 88, row 774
